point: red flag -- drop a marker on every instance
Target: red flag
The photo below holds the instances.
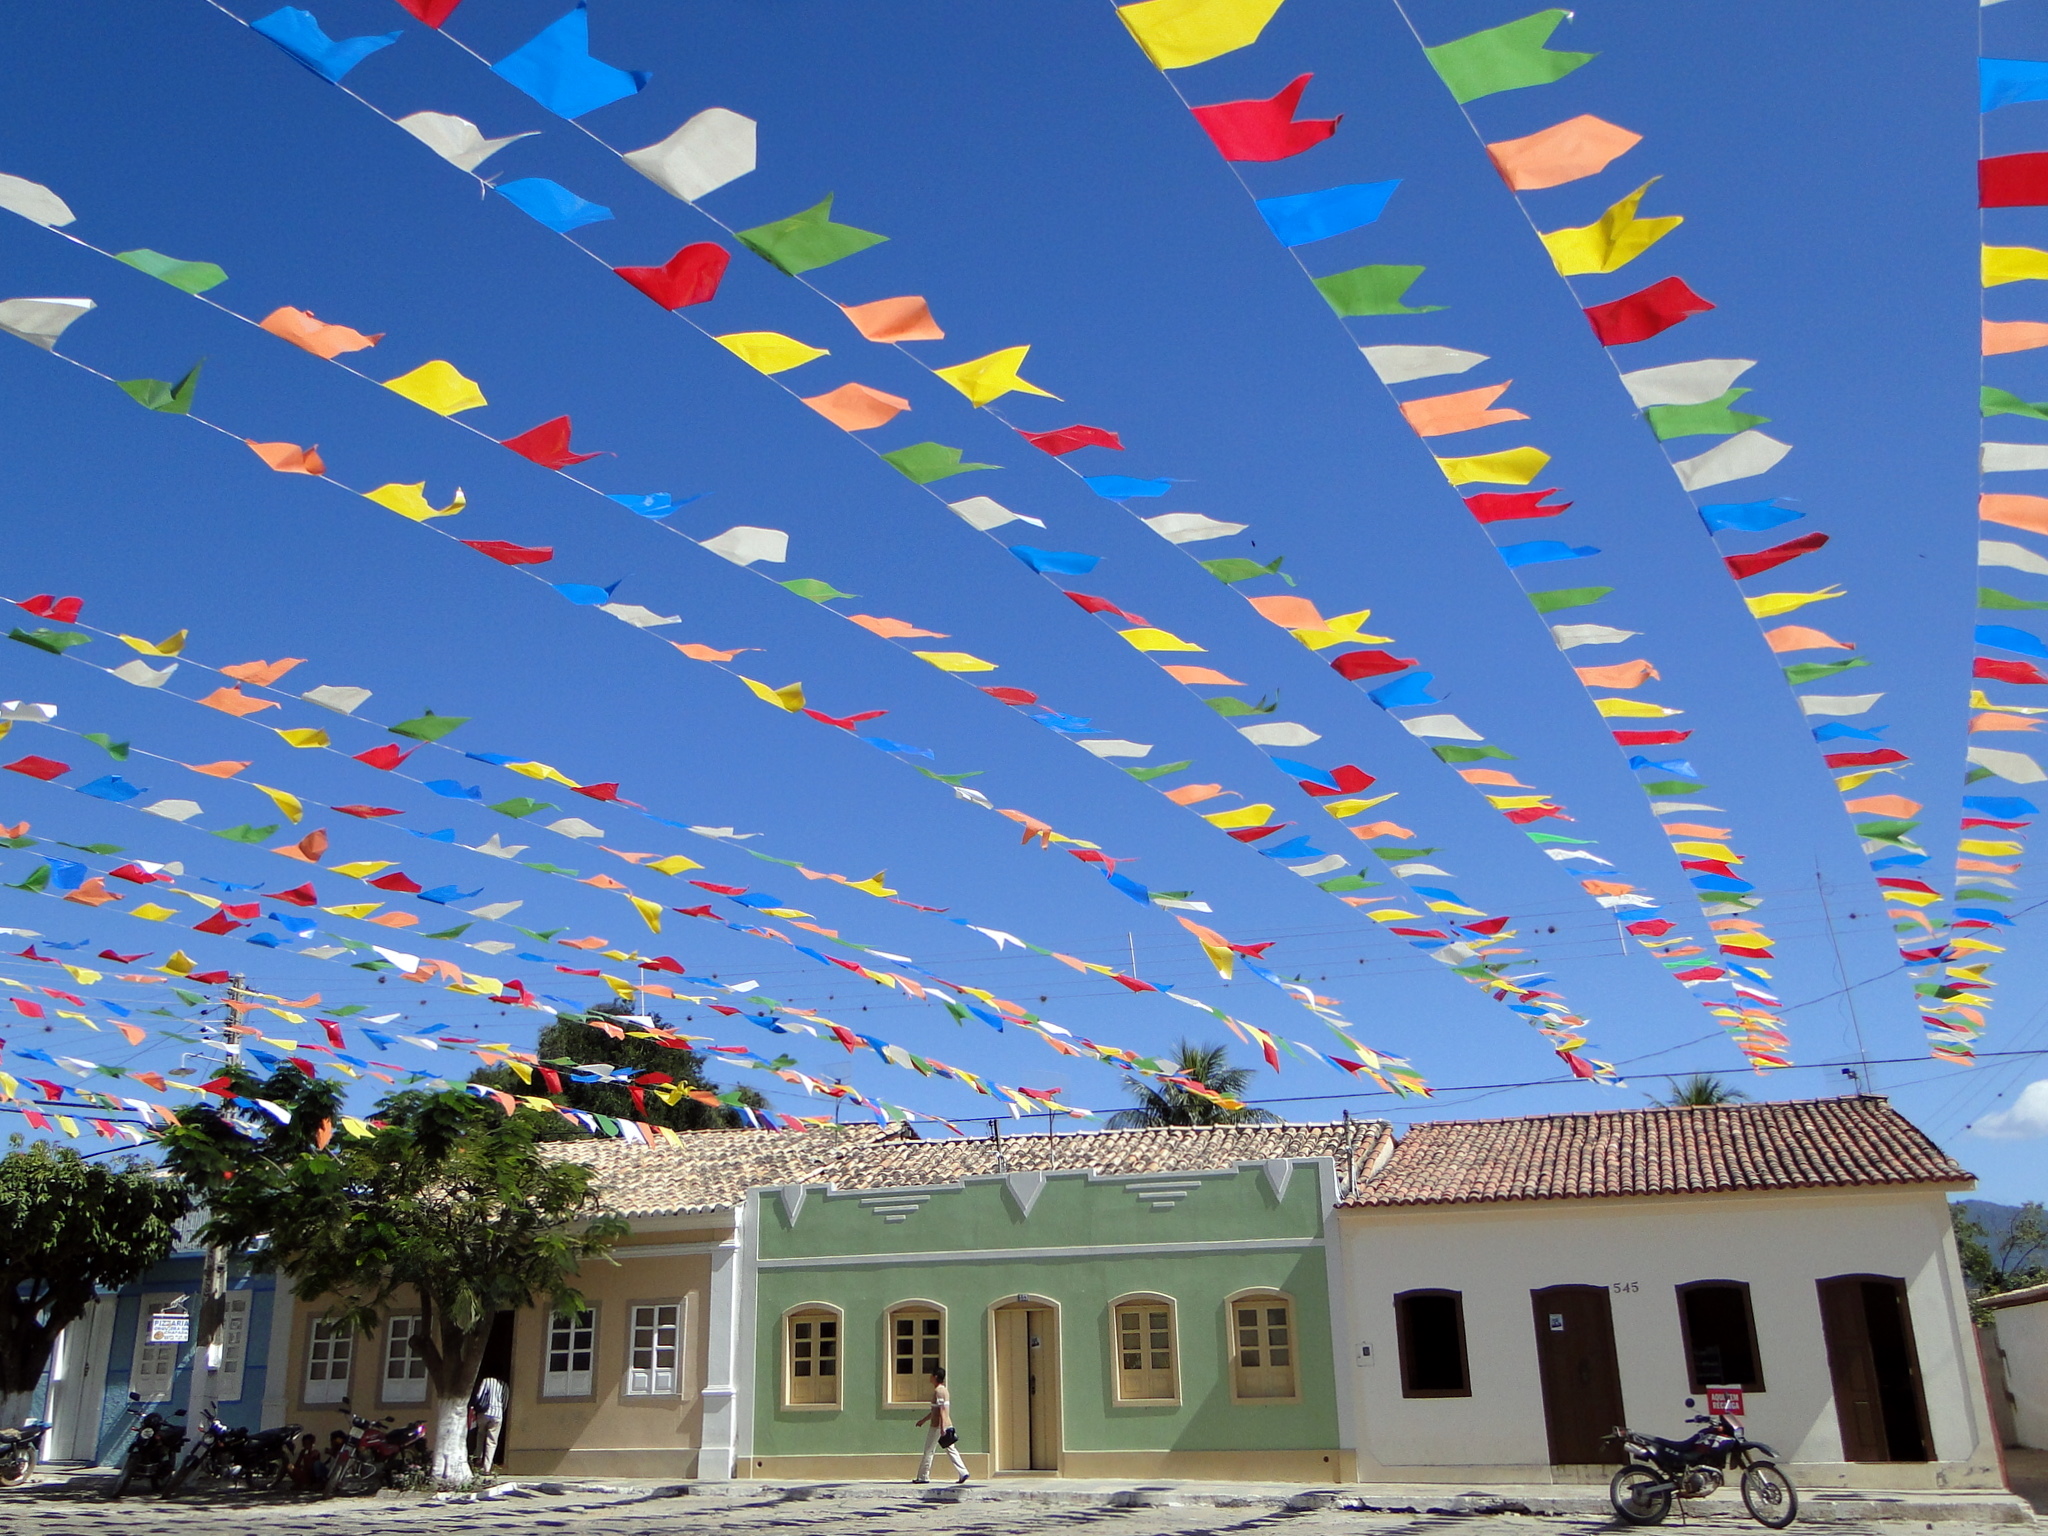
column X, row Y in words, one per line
column 845, row 722
column 1649, row 738
column 39, row 768
column 605, row 792
column 691, row 276
column 1652, row 927
column 61, row 609
column 366, row 812
column 1902, row 883
column 398, row 880
column 550, row 1079
column 1264, row 130
column 547, row 445
column 220, row 922
column 1089, row 604
column 1742, row 567
column 1875, row 759
column 1067, row 439
column 1579, row 1065
column 1535, row 813
column 298, row 896
column 1710, row 867
column 2006, row 671
column 1350, row 781
column 1132, row 984
column 1701, row 973
column 431, row 12
column 386, row 757
column 1253, row 834
column 27, row 1009
column 136, row 873
column 1359, row 665
column 721, row 890
column 1505, row 507
column 1645, row 314
column 1489, row 926
column 2013, row 181
column 666, row 963
column 1017, row 696
column 334, row 1036
column 513, row 554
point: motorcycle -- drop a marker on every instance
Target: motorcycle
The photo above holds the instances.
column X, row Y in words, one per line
column 262, row 1459
column 374, row 1454
column 1658, row 1470
column 19, row 1449
column 153, row 1453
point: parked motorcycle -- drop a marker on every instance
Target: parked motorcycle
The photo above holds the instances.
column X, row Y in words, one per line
column 262, row 1459
column 19, row 1449
column 153, row 1453
column 1659, row 1470
column 375, row 1454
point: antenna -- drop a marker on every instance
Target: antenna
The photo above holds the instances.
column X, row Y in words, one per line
column 1865, row 1080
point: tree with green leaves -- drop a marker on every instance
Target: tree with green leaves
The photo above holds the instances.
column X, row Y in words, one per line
column 446, row 1209
column 70, row 1228
column 1170, row 1104
column 585, row 1043
column 2007, row 1260
column 1702, row 1088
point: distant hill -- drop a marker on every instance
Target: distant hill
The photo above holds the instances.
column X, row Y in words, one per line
column 1995, row 1219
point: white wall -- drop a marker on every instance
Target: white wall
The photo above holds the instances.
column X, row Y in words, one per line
column 2023, row 1336
column 1779, row 1244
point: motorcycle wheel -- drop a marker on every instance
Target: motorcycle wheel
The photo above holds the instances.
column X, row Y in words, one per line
column 360, row 1475
column 1768, row 1495
column 128, row 1471
column 1637, row 1507
column 179, row 1477
column 17, row 1466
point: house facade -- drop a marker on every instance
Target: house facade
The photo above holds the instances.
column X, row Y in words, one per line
column 1519, row 1287
column 2019, row 1320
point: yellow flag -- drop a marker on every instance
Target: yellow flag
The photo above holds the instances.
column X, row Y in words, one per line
column 1768, row 605
column 1342, row 808
column 543, row 771
column 650, row 911
column 150, row 912
column 305, row 736
column 769, row 351
column 1177, row 33
column 355, row 1127
column 1243, row 816
column 1157, row 640
column 355, row 909
column 1611, row 241
column 169, row 647
column 872, row 885
column 1513, row 466
column 1634, row 708
column 955, row 661
column 674, row 864
column 362, row 869
column 411, row 501
column 984, row 379
column 1342, row 630
column 180, row 964
column 789, row 696
column 620, row 988
column 2013, row 264
column 289, row 803
column 439, row 387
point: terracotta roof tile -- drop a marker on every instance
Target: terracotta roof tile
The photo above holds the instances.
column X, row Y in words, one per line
column 1805, row 1144
column 709, row 1169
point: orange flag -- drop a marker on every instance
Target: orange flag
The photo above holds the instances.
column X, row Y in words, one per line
column 261, row 673
column 2013, row 336
column 317, row 337
column 232, row 701
column 289, row 458
column 2028, row 512
column 1626, row 674
column 855, row 407
column 1797, row 637
column 904, row 319
column 1438, row 415
column 1563, row 152
column 1207, row 675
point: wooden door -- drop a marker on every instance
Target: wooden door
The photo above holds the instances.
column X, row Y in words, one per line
column 1027, row 1411
column 1043, row 1342
column 1875, row 1368
column 1581, row 1378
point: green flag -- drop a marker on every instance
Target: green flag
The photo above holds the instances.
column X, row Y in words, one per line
column 1372, row 291
column 118, row 750
column 1343, row 883
column 1470, row 754
column 1885, row 831
column 955, row 779
column 926, row 462
column 1244, row 570
column 520, row 806
column 429, row 726
column 246, row 833
column 1567, row 597
column 1673, row 787
column 1711, row 418
column 1814, row 671
column 156, row 395
column 1230, row 708
column 192, row 276
column 1991, row 597
column 817, row 591
column 2003, row 402
column 1146, row 775
column 1504, row 58
column 55, row 641
column 806, row 240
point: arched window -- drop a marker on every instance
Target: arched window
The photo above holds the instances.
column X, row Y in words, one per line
column 1263, row 1352
column 917, row 1347
column 1147, row 1351
column 811, row 1357
column 1720, row 1335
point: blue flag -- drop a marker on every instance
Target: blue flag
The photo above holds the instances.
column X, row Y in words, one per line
column 552, row 204
column 1537, row 551
column 2007, row 82
column 298, row 34
column 556, row 69
column 1745, row 516
column 1123, row 487
column 1403, row 691
column 1056, row 562
column 1310, row 216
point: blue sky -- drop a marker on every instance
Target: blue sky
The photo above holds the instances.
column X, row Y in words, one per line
column 1040, row 184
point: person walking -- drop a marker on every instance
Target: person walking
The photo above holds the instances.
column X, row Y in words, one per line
column 942, row 1435
column 489, row 1403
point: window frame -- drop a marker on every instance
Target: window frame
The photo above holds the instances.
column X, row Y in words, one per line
column 386, row 1356
column 1401, row 1335
column 677, row 1370
column 1266, row 1296
column 918, row 1383
column 227, row 1375
column 812, row 1311
column 1139, row 1301
column 569, row 1385
column 330, row 1390
column 146, row 1308
column 1756, row 1357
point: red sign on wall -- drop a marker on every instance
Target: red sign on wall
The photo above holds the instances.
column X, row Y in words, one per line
column 1726, row 1400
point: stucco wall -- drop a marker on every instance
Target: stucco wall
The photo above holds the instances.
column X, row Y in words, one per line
column 1778, row 1244
column 2023, row 1335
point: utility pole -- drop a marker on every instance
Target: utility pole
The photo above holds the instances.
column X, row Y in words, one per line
column 212, row 1297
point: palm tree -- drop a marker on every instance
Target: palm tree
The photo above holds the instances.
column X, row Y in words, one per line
column 1168, row 1104
column 1702, row 1088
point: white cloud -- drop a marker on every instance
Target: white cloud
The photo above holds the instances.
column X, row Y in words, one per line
column 2027, row 1118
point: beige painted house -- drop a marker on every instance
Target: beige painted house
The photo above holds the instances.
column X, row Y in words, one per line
column 2020, row 1320
column 1518, row 1287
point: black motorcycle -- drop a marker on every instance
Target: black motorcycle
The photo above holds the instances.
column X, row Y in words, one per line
column 153, row 1453
column 262, row 1459
column 19, row 1449
column 1659, row 1470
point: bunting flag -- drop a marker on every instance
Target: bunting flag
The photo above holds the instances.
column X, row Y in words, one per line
column 1505, row 58
column 1265, row 130
column 556, row 69
column 1178, row 33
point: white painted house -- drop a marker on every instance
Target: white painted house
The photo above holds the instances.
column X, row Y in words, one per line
column 1516, row 1288
column 2021, row 1321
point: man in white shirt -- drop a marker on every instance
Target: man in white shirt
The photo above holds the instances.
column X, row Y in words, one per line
column 942, row 1435
column 489, row 1403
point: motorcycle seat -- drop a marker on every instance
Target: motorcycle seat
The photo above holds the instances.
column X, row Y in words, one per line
column 1684, row 1447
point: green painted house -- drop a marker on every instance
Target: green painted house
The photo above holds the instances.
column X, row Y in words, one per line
column 1127, row 1303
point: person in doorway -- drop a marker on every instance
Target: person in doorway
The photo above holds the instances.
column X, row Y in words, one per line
column 942, row 1435
column 489, row 1403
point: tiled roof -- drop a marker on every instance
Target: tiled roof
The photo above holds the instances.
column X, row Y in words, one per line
column 1807, row 1144
column 901, row 1164
column 710, row 1169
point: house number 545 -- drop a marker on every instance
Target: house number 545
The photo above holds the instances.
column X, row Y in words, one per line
column 1625, row 1287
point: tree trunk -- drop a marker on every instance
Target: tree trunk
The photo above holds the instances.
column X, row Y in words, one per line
column 451, row 1373
column 451, row 1439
